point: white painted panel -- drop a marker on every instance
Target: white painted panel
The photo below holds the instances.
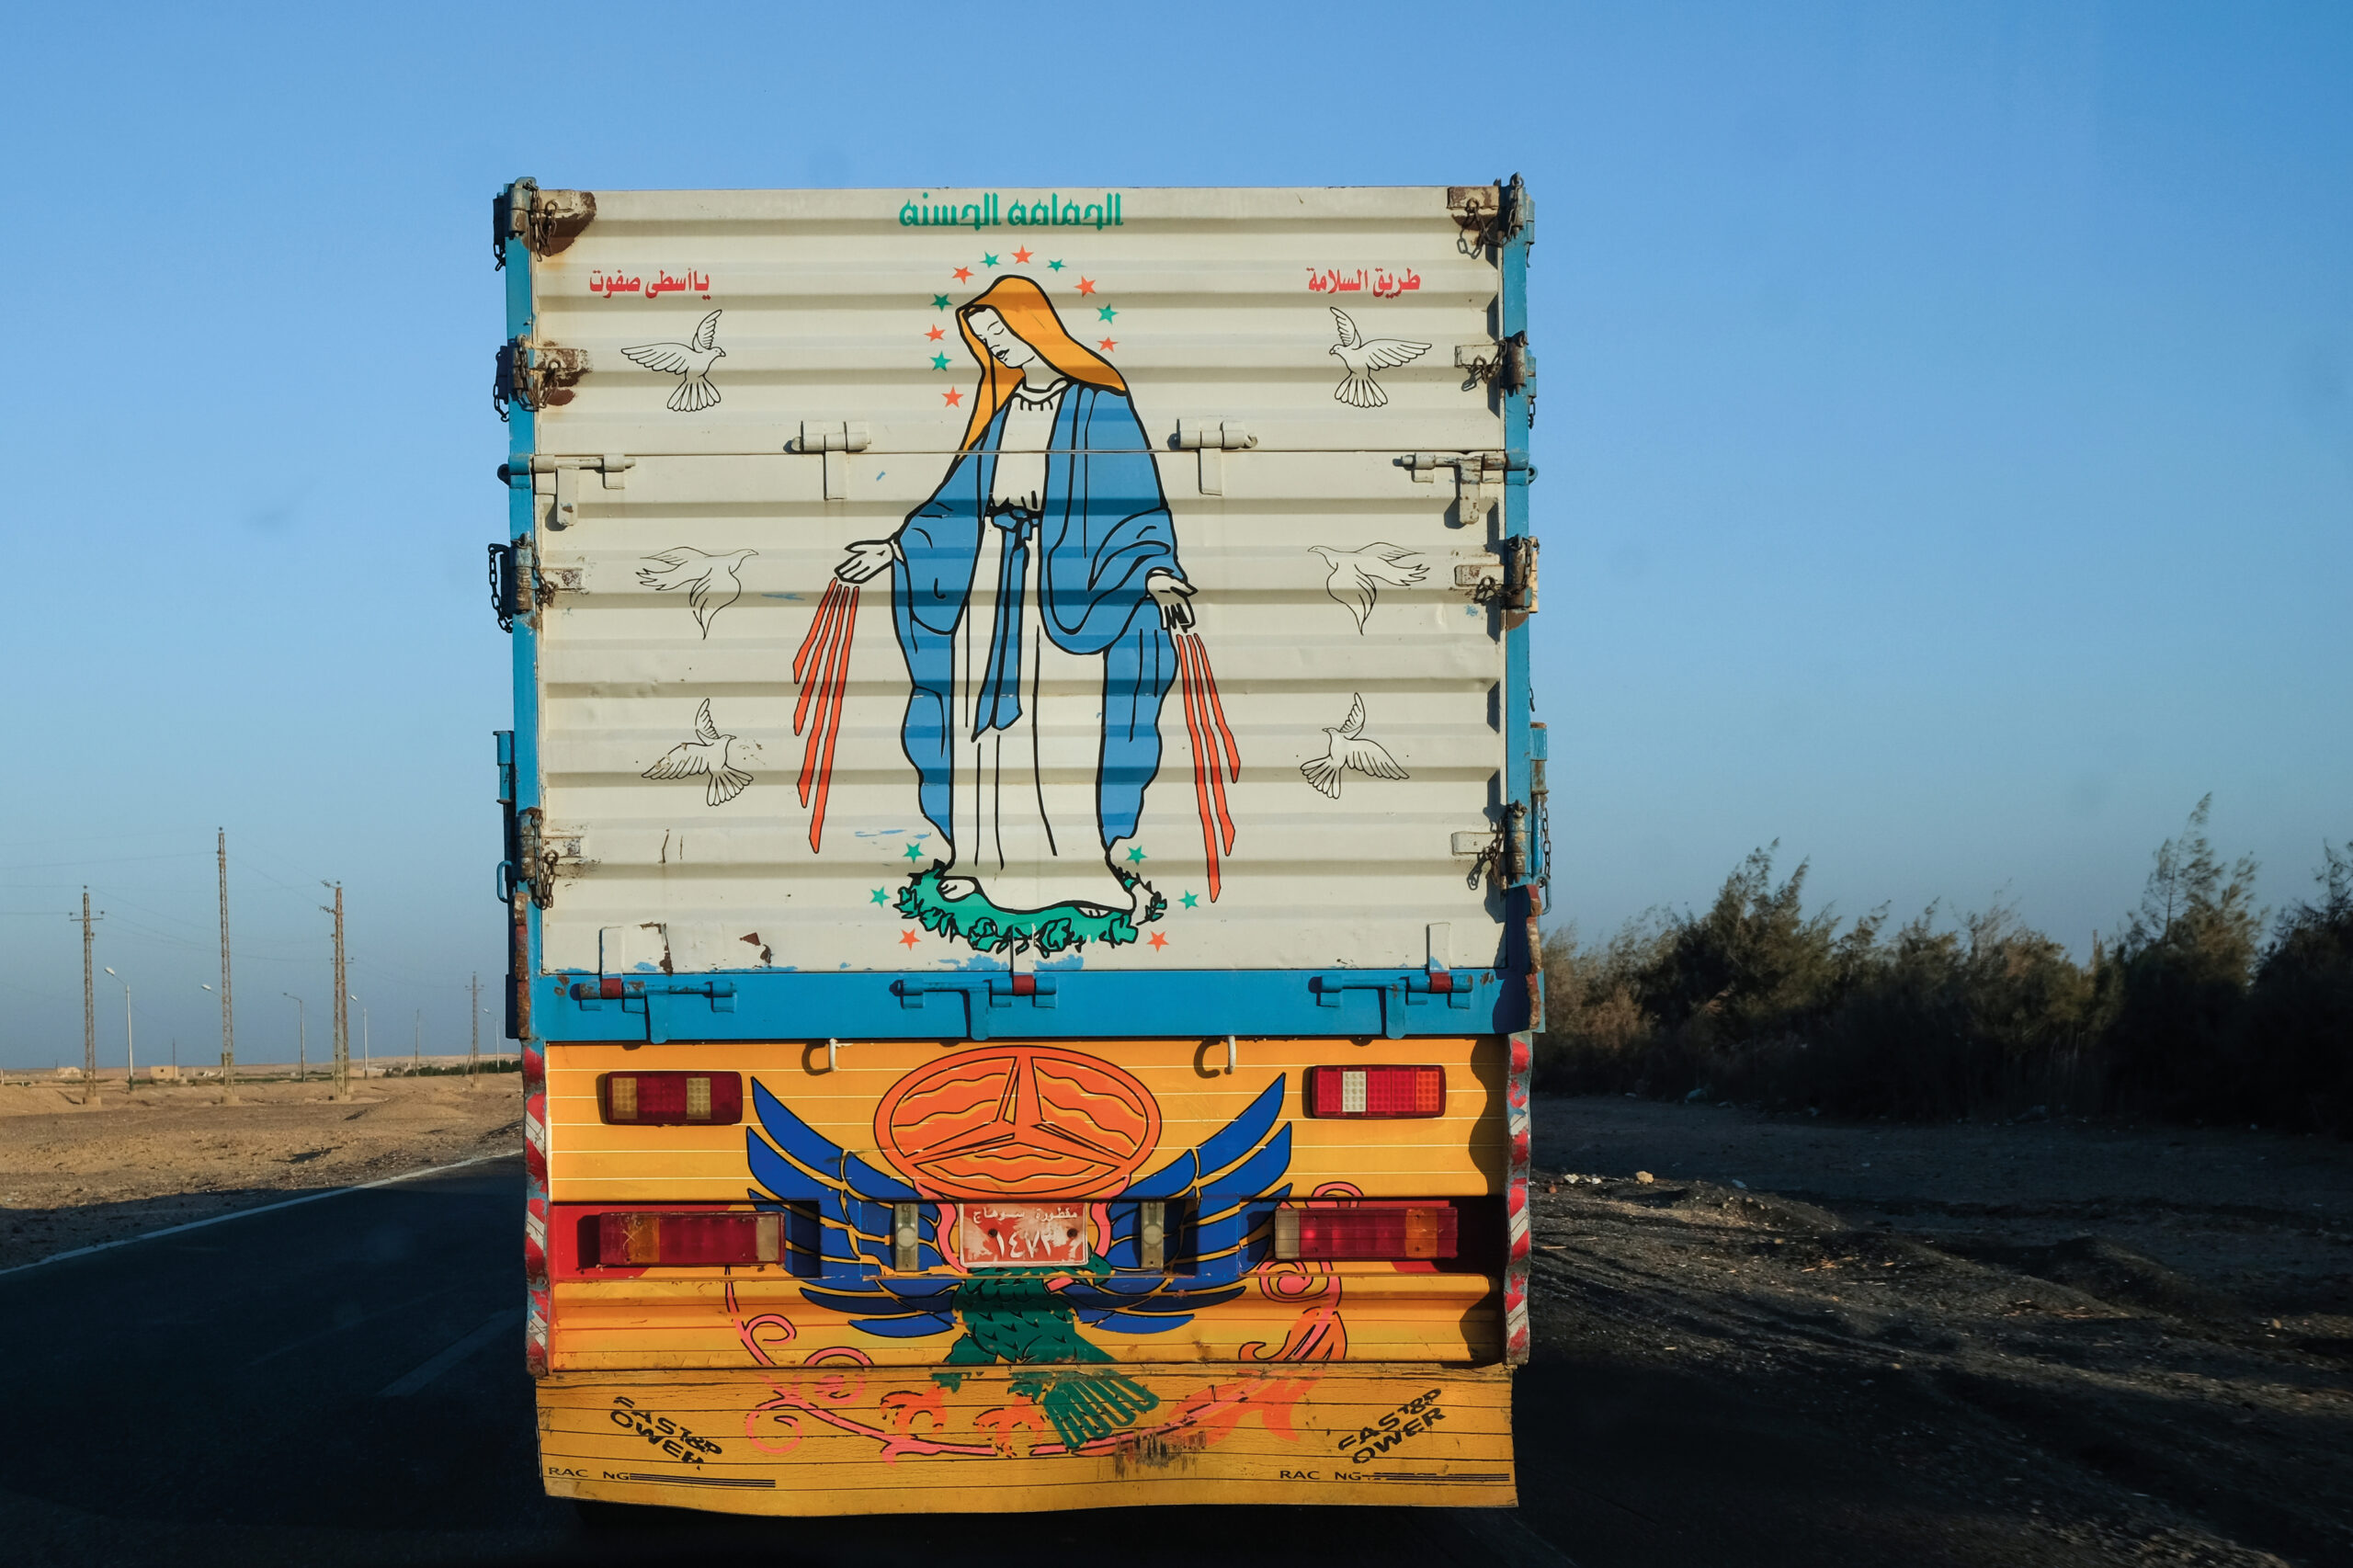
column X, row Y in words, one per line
column 1314, row 527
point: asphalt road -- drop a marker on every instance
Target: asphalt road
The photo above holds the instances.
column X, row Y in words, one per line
column 342, row 1383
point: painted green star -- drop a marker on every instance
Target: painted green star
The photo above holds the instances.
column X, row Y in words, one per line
column 988, row 260
column 1135, row 857
column 1191, row 902
column 881, row 895
column 915, row 851
column 940, row 361
column 1055, row 265
column 939, row 302
column 1106, row 313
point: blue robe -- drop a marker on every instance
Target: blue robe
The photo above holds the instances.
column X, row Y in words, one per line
column 1105, row 525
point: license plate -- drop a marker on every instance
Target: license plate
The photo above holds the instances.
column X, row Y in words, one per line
column 1022, row 1235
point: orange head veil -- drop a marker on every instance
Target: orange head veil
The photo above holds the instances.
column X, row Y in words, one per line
column 1031, row 317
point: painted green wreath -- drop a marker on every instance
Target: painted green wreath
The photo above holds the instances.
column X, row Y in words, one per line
column 973, row 919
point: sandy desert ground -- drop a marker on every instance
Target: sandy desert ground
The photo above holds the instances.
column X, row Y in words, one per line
column 72, row 1175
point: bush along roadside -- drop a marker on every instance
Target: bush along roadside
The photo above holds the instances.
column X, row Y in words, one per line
column 2193, row 1011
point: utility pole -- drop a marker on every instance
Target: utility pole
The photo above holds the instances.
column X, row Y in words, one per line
column 367, row 1051
column 130, row 1050
column 89, row 1008
column 301, row 1037
column 228, row 1017
column 417, row 1047
column 473, row 1045
column 342, row 1004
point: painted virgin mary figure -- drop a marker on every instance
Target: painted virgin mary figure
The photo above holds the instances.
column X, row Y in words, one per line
column 1035, row 596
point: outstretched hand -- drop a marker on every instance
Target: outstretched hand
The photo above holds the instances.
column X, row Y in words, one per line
column 868, row 557
column 1174, row 596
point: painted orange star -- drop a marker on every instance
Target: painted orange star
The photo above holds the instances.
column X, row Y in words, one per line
column 936, row 334
column 953, row 398
column 907, row 938
column 1086, row 285
column 1107, row 346
column 1022, row 256
column 963, row 275
column 1159, row 940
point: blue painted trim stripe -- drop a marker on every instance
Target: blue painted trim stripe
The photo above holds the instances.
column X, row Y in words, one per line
column 757, row 1004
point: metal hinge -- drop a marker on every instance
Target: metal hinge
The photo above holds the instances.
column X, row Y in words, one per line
column 515, row 587
column 1213, row 438
column 534, row 866
column 1508, row 367
column 558, row 478
column 1490, row 214
column 835, row 440
column 536, row 374
column 545, row 221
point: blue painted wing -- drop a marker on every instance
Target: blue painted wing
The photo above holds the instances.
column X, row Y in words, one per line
column 795, row 1165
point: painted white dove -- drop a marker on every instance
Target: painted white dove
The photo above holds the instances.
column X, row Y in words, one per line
column 689, row 361
column 1357, row 576
column 710, row 579
column 706, row 755
column 1350, row 749
column 1363, row 356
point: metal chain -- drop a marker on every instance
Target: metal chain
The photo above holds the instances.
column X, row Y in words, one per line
column 500, row 601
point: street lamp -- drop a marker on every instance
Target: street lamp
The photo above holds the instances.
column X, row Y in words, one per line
column 301, row 1037
column 130, row 1054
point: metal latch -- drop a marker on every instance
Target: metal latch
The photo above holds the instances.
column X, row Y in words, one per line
column 1502, row 850
column 1478, row 480
column 1508, row 367
column 536, row 374
column 1490, row 214
column 1506, row 579
column 835, row 440
column 1213, row 438
column 558, row 478
column 981, row 993
column 546, row 220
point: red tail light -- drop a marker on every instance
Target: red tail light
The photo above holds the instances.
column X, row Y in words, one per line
column 1380, row 1091
column 641, row 1241
column 1367, row 1231
column 671, row 1099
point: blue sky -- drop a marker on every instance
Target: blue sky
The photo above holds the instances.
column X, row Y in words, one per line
column 1946, row 437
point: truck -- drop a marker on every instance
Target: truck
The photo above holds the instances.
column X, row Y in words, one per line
column 1024, row 835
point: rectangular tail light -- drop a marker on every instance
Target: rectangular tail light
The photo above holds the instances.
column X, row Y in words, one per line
column 671, row 1099
column 1370, row 1230
column 654, row 1240
column 1379, row 1091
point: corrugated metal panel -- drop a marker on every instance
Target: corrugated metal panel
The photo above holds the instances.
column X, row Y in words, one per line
column 1323, row 571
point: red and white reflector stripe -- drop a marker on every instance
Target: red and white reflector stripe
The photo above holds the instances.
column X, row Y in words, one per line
column 671, row 1099
column 1366, row 1231
column 660, row 1240
column 1386, row 1090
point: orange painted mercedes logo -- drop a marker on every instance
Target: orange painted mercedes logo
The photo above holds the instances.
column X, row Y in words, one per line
column 1017, row 1122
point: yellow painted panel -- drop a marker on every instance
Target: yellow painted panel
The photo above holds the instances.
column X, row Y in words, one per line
column 849, row 1438
column 1462, row 1153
